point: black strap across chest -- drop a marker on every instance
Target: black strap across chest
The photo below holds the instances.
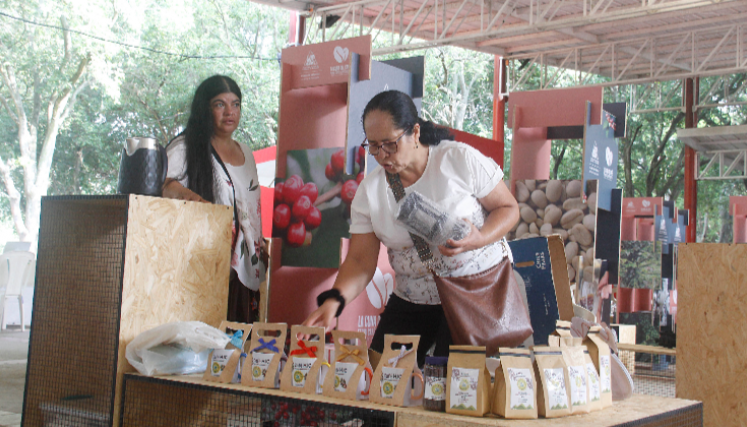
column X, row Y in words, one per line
column 233, row 188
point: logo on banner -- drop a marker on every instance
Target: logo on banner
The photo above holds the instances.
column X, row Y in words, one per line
column 610, row 156
column 311, row 62
column 341, row 54
column 646, row 203
column 380, row 288
column 663, row 226
column 631, row 205
column 595, row 154
column 677, row 235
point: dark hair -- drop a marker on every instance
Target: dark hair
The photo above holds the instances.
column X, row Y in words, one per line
column 199, row 132
column 404, row 114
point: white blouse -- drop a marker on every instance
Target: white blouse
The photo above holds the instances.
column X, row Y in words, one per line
column 455, row 177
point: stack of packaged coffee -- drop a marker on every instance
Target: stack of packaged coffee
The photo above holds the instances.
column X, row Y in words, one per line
column 568, row 376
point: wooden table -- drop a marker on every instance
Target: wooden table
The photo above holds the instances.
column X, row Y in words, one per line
column 187, row 400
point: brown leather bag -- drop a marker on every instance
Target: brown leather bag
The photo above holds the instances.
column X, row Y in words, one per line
column 483, row 309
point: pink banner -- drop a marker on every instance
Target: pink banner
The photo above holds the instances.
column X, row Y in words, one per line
column 327, row 63
column 642, row 206
column 362, row 314
column 555, row 107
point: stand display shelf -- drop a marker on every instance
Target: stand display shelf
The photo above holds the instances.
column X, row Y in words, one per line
column 188, row 400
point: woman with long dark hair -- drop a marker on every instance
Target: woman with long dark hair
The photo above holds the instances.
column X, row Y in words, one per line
column 206, row 164
column 423, row 158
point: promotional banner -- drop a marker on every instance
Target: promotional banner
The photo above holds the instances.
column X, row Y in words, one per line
column 363, row 313
column 641, row 206
column 327, row 63
column 669, row 231
column 312, row 208
column 533, row 269
column 384, row 76
column 601, row 157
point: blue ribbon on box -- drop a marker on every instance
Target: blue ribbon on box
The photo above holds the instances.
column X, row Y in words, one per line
column 266, row 345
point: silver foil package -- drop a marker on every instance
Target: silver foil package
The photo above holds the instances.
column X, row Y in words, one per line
column 422, row 217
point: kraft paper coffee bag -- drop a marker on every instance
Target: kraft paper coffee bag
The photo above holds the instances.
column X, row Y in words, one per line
column 264, row 355
column 515, row 388
column 563, row 332
column 577, row 377
column 397, row 366
column 350, row 375
column 467, row 381
column 593, row 387
column 553, row 398
column 599, row 352
column 303, row 371
column 224, row 365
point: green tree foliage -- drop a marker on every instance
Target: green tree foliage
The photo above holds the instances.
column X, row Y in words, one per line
column 69, row 99
column 651, row 156
column 41, row 75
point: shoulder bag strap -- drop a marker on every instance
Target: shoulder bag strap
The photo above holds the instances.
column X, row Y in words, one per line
column 228, row 175
column 424, row 251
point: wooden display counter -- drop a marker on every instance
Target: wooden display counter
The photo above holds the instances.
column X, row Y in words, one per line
column 188, row 400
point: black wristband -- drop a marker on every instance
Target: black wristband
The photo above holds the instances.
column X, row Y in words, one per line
column 332, row 293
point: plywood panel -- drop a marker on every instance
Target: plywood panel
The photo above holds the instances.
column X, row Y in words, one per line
column 626, row 334
column 711, row 337
column 177, row 264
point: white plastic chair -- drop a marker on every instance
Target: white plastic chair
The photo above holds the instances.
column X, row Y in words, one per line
column 14, row 274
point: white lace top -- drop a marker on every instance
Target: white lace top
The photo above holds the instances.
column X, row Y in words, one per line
column 455, row 177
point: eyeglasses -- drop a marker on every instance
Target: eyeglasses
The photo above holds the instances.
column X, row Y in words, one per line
column 388, row 147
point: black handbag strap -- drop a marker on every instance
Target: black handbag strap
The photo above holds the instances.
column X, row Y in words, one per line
column 233, row 188
column 424, row 251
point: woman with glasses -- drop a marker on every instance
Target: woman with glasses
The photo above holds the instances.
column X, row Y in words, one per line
column 207, row 165
column 460, row 180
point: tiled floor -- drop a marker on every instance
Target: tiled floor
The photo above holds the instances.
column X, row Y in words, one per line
column 14, row 345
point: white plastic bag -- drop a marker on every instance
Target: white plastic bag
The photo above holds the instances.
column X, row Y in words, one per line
column 174, row 348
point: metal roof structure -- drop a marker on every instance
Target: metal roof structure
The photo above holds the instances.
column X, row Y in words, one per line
column 608, row 42
column 725, row 148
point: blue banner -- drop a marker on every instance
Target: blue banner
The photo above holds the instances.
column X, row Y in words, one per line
column 532, row 263
column 601, row 158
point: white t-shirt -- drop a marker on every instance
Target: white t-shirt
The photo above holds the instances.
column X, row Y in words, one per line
column 455, row 177
column 245, row 259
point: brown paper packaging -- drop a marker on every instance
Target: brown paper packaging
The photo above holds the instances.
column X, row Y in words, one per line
column 593, row 387
column 315, row 347
column 270, row 334
column 232, row 365
column 599, row 352
column 515, row 388
column 467, row 381
column 348, row 353
column 407, row 363
column 562, row 333
column 573, row 356
column 553, row 399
